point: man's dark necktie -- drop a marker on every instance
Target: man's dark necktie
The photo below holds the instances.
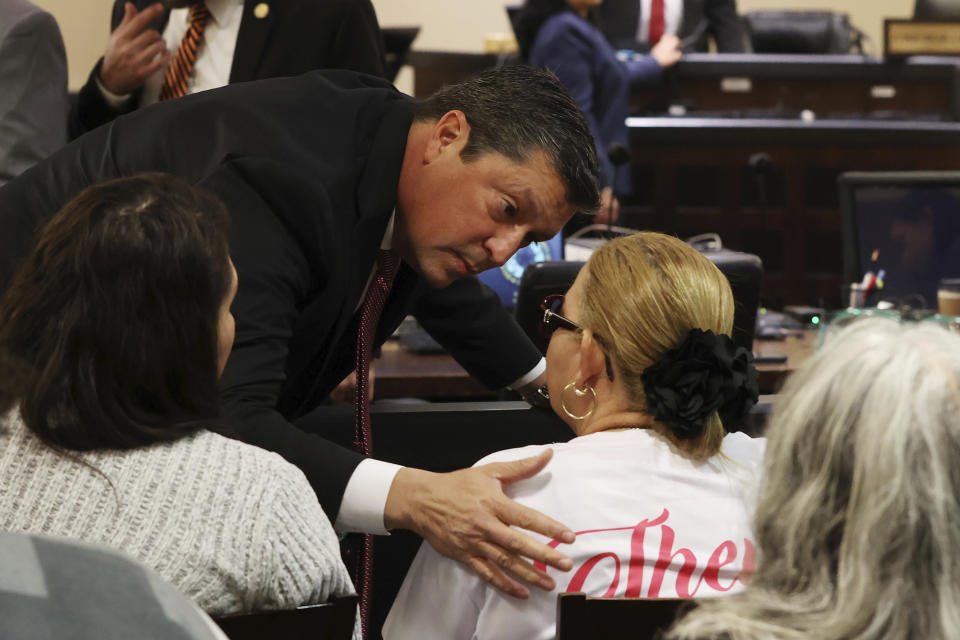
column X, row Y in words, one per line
column 377, row 293
column 177, row 77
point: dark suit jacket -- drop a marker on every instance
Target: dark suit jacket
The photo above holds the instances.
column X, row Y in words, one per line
column 587, row 66
column 296, row 36
column 619, row 20
column 308, row 168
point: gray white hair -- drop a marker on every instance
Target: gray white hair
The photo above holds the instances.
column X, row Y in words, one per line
column 858, row 524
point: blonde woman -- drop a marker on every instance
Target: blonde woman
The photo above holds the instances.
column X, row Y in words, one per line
column 858, row 524
column 640, row 365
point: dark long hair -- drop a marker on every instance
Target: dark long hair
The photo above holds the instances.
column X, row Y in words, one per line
column 532, row 16
column 108, row 330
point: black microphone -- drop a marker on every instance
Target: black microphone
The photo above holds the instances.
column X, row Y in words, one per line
column 619, row 156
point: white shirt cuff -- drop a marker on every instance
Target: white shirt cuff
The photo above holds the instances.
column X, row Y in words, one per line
column 532, row 375
column 365, row 498
column 113, row 99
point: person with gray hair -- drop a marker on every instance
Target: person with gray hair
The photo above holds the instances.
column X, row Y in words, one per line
column 858, row 521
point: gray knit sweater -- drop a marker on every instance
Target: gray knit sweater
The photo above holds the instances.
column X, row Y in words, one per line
column 234, row 527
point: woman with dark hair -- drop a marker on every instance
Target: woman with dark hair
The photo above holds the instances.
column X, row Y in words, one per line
column 113, row 334
column 562, row 36
column 660, row 493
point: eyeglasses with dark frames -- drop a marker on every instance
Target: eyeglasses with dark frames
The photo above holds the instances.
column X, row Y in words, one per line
column 550, row 321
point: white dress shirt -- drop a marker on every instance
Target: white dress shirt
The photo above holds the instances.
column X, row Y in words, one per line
column 672, row 15
column 214, row 55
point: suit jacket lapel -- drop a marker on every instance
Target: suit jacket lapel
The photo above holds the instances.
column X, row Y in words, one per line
column 252, row 39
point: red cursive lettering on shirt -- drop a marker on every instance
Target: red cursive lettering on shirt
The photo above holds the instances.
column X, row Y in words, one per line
column 723, row 555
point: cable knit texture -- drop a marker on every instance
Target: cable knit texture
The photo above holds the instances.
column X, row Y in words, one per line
column 232, row 526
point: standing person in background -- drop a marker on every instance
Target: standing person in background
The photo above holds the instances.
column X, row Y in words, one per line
column 158, row 51
column 33, row 87
column 561, row 36
column 640, row 24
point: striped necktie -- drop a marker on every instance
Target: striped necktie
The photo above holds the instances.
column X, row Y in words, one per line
column 377, row 292
column 177, row 77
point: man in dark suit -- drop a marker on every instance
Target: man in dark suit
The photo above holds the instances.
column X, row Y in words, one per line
column 628, row 23
column 267, row 38
column 319, row 172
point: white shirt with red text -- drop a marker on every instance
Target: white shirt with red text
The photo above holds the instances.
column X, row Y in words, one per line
column 650, row 523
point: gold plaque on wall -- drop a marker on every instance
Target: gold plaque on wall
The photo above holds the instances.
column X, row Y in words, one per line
column 902, row 38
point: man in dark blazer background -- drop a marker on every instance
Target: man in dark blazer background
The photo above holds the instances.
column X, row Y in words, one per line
column 622, row 22
column 319, row 172
column 269, row 38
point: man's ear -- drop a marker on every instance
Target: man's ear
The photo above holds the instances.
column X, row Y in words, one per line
column 449, row 134
column 592, row 360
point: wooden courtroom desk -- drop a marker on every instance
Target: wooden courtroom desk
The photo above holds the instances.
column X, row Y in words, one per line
column 745, row 85
column 854, row 85
column 403, row 374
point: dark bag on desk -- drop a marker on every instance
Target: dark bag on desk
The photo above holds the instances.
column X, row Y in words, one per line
column 816, row 32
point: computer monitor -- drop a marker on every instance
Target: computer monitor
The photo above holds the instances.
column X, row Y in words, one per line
column 912, row 220
column 936, row 10
column 506, row 279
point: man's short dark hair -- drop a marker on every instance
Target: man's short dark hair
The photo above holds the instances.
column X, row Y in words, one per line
column 516, row 110
column 108, row 330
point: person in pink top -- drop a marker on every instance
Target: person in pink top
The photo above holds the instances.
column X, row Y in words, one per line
column 658, row 488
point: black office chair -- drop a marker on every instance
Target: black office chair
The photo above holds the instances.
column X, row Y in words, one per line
column 583, row 618
column 331, row 620
column 811, row 32
column 539, row 280
column 936, row 10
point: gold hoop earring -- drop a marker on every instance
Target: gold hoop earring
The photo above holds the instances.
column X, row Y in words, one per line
column 578, row 393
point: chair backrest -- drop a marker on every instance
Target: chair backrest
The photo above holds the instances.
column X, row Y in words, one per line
column 59, row 588
column 331, row 620
column 541, row 279
column 583, row 618
column 813, row 32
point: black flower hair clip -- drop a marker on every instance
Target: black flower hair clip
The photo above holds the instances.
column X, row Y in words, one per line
column 706, row 372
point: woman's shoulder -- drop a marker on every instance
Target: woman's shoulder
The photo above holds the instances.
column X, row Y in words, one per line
column 518, row 453
column 244, row 457
column 743, row 448
column 576, row 447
